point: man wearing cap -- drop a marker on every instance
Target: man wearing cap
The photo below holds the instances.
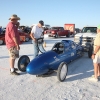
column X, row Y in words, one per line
column 36, row 34
column 96, row 57
column 12, row 42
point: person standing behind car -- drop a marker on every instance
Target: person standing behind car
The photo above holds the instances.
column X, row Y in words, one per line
column 12, row 42
column 96, row 57
column 36, row 33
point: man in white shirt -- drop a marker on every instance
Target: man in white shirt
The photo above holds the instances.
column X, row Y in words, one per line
column 36, row 34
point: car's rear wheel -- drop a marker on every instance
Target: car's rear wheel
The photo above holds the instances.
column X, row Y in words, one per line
column 23, row 62
column 62, row 71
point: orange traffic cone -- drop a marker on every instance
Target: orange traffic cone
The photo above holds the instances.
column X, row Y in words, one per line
column 44, row 44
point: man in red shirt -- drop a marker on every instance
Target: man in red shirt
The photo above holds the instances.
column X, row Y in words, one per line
column 12, row 39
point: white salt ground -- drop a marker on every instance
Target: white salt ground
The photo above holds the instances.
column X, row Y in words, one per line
column 29, row 87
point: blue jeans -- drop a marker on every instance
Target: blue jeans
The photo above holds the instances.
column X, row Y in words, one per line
column 35, row 49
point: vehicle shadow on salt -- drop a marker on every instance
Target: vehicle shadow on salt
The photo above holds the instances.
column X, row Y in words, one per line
column 2, row 57
column 80, row 69
column 23, row 73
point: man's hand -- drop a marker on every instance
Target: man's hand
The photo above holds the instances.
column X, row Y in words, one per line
column 93, row 56
column 35, row 40
column 18, row 47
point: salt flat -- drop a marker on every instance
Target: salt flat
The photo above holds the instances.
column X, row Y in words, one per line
column 29, row 87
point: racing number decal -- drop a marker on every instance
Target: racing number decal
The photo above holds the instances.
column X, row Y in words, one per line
column 56, row 59
column 72, row 54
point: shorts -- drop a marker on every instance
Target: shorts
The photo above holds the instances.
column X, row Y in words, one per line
column 96, row 59
column 13, row 53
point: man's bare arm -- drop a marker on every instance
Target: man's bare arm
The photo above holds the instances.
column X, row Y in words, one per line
column 96, row 49
column 16, row 43
column 32, row 36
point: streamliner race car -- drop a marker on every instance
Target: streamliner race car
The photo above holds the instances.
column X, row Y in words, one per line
column 57, row 58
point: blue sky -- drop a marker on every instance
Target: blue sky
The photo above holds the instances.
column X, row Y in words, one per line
column 52, row 12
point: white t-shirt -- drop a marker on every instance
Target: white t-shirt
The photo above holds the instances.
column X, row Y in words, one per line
column 37, row 32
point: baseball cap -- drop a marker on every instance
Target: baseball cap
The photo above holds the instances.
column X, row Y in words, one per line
column 98, row 27
column 41, row 22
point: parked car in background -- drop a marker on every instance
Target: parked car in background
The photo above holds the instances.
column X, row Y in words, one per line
column 0, row 29
column 24, row 37
column 3, row 30
column 2, row 39
column 46, row 27
column 57, row 31
column 24, row 32
column 77, row 30
column 88, row 33
column 25, row 29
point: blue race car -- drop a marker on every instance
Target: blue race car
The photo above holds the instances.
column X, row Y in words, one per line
column 57, row 58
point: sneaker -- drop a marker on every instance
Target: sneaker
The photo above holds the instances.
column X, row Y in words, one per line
column 98, row 76
column 14, row 73
column 16, row 69
column 93, row 79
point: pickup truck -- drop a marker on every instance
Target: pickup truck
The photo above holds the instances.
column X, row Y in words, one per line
column 88, row 34
column 56, row 32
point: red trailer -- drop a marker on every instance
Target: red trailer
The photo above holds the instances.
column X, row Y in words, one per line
column 70, row 27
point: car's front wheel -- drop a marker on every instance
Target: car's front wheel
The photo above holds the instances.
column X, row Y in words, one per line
column 62, row 71
column 23, row 62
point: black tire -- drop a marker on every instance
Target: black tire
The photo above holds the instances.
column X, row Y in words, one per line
column 27, row 39
column 56, row 35
column 23, row 62
column 68, row 35
column 90, row 51
column 1, row 42
column 59, row 72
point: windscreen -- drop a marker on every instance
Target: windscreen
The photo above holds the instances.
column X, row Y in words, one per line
column 89, row 30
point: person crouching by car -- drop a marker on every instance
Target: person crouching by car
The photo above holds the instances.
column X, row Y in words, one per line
column 36, row 33
column 12, row 42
